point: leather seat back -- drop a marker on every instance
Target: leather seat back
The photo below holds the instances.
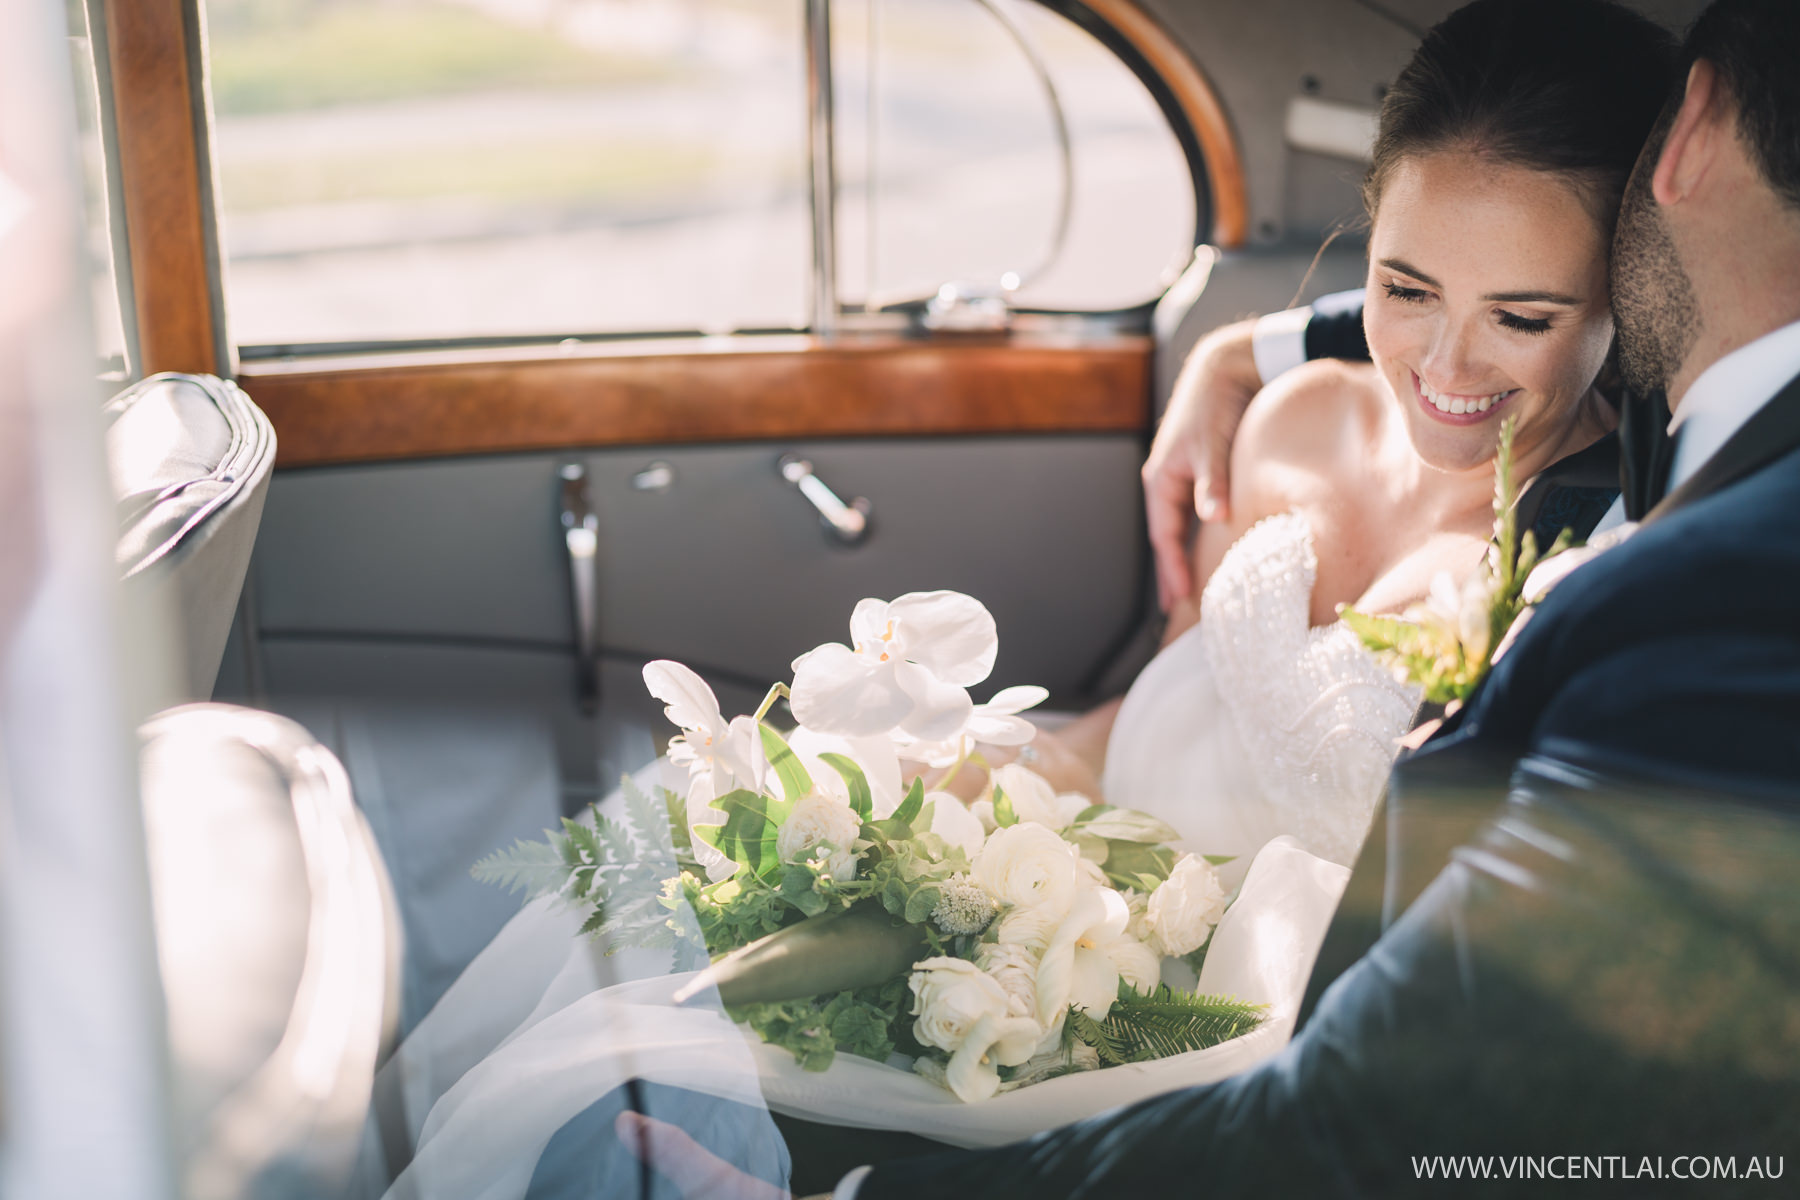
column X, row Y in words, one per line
column 191, row 458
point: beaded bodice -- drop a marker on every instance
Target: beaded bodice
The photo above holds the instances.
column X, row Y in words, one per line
column 1254, row 724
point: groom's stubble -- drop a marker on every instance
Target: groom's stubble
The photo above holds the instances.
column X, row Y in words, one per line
column 1654, row 306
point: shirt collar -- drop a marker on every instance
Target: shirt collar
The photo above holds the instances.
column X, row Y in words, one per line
column 1729, row 393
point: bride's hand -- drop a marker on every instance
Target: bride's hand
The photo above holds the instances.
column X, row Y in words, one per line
column 697, row 1171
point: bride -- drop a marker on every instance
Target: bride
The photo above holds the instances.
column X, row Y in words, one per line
column 1503, row 150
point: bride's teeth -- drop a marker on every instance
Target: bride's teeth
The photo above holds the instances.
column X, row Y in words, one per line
column 1460, row 405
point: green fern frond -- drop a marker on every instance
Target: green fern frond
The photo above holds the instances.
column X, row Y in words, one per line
column 1165, row 1022
column 533, row 868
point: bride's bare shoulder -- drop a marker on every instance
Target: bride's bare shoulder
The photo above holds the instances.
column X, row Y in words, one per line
column 1301, row 430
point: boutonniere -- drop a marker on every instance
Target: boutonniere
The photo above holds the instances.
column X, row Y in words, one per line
column 1447, row 645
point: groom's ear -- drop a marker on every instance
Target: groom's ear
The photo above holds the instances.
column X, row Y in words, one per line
column 1695, row 138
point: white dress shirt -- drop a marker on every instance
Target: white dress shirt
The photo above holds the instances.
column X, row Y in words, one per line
column 1726, row 395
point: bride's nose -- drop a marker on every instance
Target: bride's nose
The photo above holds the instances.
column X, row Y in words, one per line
column 1450, row 363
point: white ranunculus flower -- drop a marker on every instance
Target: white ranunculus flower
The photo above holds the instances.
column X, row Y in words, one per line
column 1031, row 928
column 1014, row 967
column 952, row 821
column 1136, row 924
column 821, row 817
column 1183, row 910
column 1028, row 866
column 994, row 1042
column 910, row 665
column 1088, row 955
column 949, row 996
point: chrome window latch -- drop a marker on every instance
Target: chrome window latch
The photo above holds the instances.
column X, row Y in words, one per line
column 846, row 524
column 581, row 536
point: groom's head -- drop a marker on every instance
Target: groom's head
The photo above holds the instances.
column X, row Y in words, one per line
column 1707, row 253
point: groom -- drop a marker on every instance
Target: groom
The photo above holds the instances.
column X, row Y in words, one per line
column 1598, row 979
column 1596, row 976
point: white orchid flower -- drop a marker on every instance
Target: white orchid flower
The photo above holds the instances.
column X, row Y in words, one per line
column 910, row 665
column 1088, row 955
column 995, row 723
column 720, row 755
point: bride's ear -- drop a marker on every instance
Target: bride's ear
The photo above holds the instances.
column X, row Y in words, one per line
column 1694, row 139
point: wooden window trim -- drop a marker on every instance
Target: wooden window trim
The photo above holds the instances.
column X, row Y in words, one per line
column 1200, row 104
column 395, row 407
column 164, row 183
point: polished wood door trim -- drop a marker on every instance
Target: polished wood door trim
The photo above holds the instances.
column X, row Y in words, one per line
column 1202, row 107
column 161, row 181
column 396, row 407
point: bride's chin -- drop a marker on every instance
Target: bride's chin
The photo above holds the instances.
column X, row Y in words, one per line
column 1452, row 451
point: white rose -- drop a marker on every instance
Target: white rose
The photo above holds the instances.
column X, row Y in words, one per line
column 950, row 995
column 1183, row 910
column 817, row 818
column 1028, row 866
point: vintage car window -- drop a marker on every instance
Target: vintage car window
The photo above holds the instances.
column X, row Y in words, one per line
column 422, row 169
column 104, row 281
column 950, row 169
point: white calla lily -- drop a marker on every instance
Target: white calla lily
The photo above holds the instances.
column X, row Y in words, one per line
column 994, row 1042
column 1088, row 955
column 910, row 665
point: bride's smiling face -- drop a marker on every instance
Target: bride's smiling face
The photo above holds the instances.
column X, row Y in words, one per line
column 1487, row 299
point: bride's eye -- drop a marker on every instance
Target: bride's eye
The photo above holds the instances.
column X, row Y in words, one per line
column 1524, row 324
column 1406, row 294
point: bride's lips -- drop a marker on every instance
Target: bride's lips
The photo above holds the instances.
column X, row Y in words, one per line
column 1467, row 418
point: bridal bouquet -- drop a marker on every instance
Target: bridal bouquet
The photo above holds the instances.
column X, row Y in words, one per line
column 995, row 944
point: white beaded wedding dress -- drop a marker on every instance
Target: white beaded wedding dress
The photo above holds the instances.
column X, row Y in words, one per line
column 1253, row 734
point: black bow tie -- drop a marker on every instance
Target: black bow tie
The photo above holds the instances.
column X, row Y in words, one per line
column 1646, row 452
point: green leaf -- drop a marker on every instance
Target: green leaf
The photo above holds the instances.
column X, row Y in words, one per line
column 909, row 807
column 795, row 782
column 1127, row 863
column 1219, row 860
column 1125, row 825
column 748, row 835
column 920, row 905
column 1141, row 1026
column 675, row 805
column 1004, row 816
column 862, row 801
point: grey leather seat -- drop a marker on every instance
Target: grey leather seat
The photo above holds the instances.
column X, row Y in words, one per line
column 191, row 457
column 279, row 946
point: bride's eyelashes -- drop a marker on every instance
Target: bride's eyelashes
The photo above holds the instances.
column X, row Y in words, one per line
column 1508, row 320
column 1524, row 324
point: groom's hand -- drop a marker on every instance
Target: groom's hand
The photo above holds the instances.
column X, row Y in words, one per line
column 1188, row 472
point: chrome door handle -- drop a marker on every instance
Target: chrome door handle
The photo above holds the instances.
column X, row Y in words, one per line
column 847, row 524
column 581, row 536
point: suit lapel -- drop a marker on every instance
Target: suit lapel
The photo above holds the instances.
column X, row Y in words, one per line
column 1771, row 433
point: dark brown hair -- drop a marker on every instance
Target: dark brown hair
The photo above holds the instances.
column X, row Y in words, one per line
column 1571, row 87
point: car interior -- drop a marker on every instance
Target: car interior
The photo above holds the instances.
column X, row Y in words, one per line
column 454, row 358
